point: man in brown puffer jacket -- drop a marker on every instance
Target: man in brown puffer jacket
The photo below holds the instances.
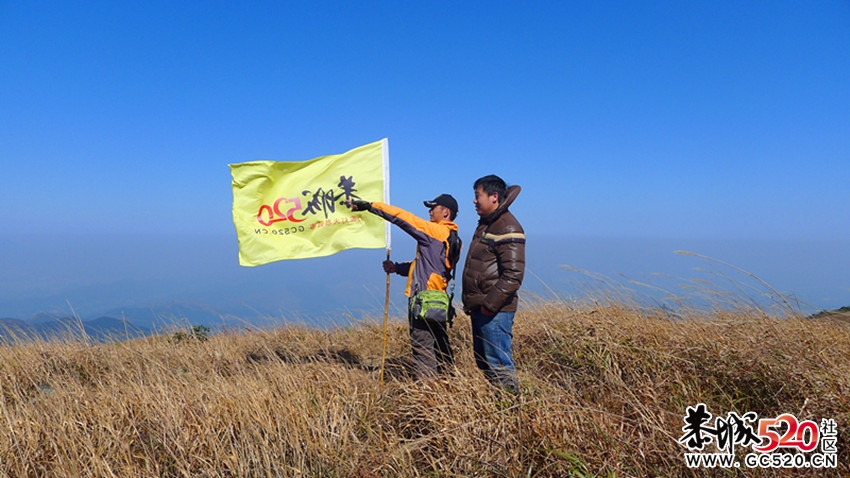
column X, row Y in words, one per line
column 492, row 275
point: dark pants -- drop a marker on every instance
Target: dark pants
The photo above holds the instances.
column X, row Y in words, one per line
column 432, row 354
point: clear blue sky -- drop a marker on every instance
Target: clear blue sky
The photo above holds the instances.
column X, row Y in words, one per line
column 695, row 120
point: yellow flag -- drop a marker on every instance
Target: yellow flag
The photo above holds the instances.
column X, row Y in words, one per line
column 296, row 210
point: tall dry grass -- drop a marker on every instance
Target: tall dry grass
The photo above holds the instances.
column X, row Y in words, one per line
column 605, row 389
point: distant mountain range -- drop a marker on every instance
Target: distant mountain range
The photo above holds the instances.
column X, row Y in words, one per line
column 120, row 324
column 133, row 322
column 165, row 319
column 842, row 313
column 69, row 328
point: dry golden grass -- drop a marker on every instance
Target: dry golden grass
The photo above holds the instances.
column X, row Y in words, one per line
column 605, row 388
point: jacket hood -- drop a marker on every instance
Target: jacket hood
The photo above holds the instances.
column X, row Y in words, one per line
column 510, row 194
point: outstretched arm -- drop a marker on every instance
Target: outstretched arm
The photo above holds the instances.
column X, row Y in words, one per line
column 357, row 205
column 422, row 230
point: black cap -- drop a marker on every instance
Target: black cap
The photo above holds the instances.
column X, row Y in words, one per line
column 444, row 200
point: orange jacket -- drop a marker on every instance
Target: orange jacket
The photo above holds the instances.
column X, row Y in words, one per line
column 431, row 269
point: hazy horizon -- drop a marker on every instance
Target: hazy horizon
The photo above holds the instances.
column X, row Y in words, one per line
column 97, row 274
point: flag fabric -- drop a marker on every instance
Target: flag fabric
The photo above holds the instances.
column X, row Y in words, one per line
column 297, row 210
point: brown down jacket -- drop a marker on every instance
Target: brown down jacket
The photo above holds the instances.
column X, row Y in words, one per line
column 495, row 262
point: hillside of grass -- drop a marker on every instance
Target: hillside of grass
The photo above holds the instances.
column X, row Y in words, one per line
column 842, row 313
column 605, row 389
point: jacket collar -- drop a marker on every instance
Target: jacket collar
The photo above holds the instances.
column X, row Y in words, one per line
column 451, row 225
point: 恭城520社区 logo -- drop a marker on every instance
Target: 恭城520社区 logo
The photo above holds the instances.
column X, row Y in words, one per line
column 766, row 436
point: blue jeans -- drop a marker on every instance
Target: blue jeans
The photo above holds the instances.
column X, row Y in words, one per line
column 491, row 344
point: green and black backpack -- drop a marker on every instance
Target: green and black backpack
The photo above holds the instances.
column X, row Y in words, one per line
column 454, row 245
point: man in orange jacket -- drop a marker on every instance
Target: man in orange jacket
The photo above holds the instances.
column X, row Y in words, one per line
column 432, row 270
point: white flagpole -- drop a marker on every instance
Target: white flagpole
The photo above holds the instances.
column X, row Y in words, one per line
column 385, row 148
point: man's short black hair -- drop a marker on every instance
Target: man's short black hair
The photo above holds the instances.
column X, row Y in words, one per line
column 491, row 184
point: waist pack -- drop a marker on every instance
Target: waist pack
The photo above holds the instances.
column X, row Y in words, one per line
column 432, row 305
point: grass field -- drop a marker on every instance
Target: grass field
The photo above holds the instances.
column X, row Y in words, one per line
column 605, row 390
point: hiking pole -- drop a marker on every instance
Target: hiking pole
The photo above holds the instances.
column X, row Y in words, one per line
column 386, row 312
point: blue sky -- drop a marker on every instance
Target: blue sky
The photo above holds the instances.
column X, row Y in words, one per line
column 699, row 121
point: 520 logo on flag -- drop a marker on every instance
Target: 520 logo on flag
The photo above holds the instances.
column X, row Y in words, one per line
column 324, row 201
column 269, row 215
column 765, row 436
